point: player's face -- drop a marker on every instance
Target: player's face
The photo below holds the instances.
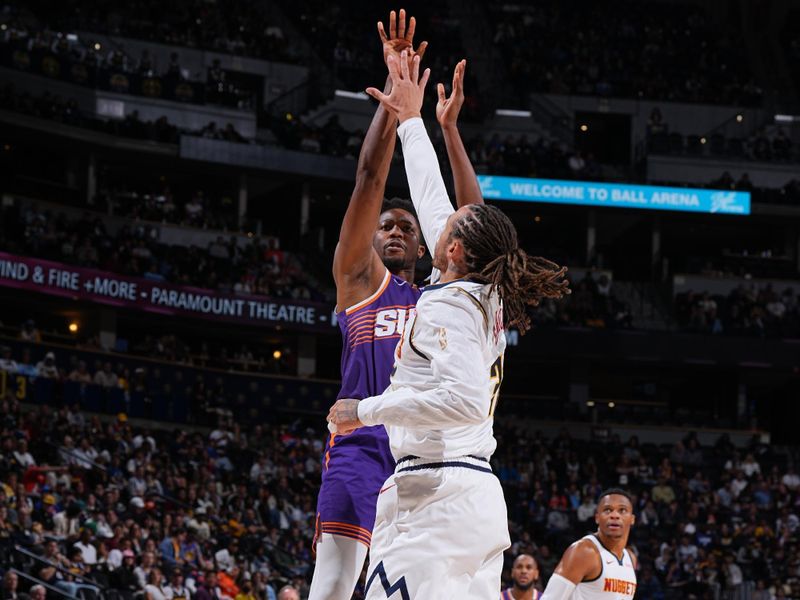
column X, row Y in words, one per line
column 614, row 516
column 397, row 240
column 441, row 253
column 525, row 572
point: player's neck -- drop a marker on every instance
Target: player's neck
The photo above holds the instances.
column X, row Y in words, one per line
column 614, row 545
column 519, row 594
column 406, row 274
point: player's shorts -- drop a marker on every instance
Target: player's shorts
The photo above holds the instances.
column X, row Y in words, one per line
column 440, row 532
column 354, row 468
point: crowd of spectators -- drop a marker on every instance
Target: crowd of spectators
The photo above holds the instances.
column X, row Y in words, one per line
column 592, row 303
column 261, row 267
column 66, row 110
column 230, row 512
column 161, row 203
column 665, row 51
column 231, row 27
column 768, row 143
column 746, row 310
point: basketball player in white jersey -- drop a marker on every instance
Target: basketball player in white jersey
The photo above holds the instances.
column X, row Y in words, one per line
column 524, row 574
column 441, row 524
column 599, row 566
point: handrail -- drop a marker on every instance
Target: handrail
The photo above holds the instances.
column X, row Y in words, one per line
column 59, row 568
column 44, row 584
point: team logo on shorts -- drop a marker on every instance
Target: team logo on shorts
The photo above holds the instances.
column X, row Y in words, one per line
column 442, row 338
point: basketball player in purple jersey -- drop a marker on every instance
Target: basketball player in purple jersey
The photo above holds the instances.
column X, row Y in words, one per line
column 524, row 574
column 379, row 244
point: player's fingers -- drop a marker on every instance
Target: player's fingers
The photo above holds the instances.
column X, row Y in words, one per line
column 392, row 25
column 440, row 92
column 412, row 26
column 382, row 32
column 401, row 24
column 415, row 69
column 404, row 65
column 395, row 71
column 377, row 94
column 424, row 81
column 421, row 50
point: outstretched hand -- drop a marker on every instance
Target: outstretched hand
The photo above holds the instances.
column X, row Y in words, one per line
column 408, row 88
column 400, row 38
column 447, row 109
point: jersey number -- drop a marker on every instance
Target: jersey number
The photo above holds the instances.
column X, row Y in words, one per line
column 496, row 377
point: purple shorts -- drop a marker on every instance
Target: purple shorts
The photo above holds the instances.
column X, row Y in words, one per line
column 354, row 468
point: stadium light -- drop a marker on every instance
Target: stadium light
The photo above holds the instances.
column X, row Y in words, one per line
column 351, row 95
column 584, row 128
column 277, row 355
column 787, row 118
column 73, row 327
column 510, row 112
column 739, row 118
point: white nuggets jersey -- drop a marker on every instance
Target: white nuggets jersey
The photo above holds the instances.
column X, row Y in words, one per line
column 617, row 580
column 446, row 378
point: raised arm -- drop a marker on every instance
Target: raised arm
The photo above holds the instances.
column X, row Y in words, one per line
column 468, row 191
column 357, row 268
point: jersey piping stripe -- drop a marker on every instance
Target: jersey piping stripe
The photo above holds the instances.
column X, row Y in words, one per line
column 366, row 314
column 477, row 303
column 416, row 350
column 344, row 529
column 370, row 339
column 384, row 284
column 444, row 464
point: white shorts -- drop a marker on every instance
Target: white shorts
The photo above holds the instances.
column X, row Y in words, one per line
column 440, row 532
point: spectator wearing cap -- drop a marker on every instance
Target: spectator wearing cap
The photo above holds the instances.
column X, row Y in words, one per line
column 47, row 368
column 124, row 577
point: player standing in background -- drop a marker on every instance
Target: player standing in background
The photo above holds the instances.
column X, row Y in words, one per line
column 524, row 575
column 374, row 269
column 441, row 525
column 599, row 566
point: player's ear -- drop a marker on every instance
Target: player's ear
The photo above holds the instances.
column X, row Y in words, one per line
column 421, row 251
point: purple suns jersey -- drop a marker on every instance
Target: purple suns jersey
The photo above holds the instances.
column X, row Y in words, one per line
column 356, row 465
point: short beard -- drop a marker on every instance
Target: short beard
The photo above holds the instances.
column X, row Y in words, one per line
column 524, row 587
column 394, row 264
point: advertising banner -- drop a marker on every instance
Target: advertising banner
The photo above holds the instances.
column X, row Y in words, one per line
column 92, row 285
column 615, row 195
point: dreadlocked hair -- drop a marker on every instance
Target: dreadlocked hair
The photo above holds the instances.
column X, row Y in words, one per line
column 493, row 256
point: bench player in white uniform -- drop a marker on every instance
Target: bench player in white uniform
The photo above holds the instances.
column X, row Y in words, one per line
column 599, row 566
column 441, row 524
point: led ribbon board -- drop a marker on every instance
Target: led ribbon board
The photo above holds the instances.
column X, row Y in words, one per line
column 614, row 195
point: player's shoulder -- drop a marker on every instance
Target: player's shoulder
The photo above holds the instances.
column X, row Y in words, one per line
column 472, row 297
column 582, row 550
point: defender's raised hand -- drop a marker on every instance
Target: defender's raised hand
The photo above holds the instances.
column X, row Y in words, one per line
column 408, row 88
column 400, row 38
column 447, row 109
